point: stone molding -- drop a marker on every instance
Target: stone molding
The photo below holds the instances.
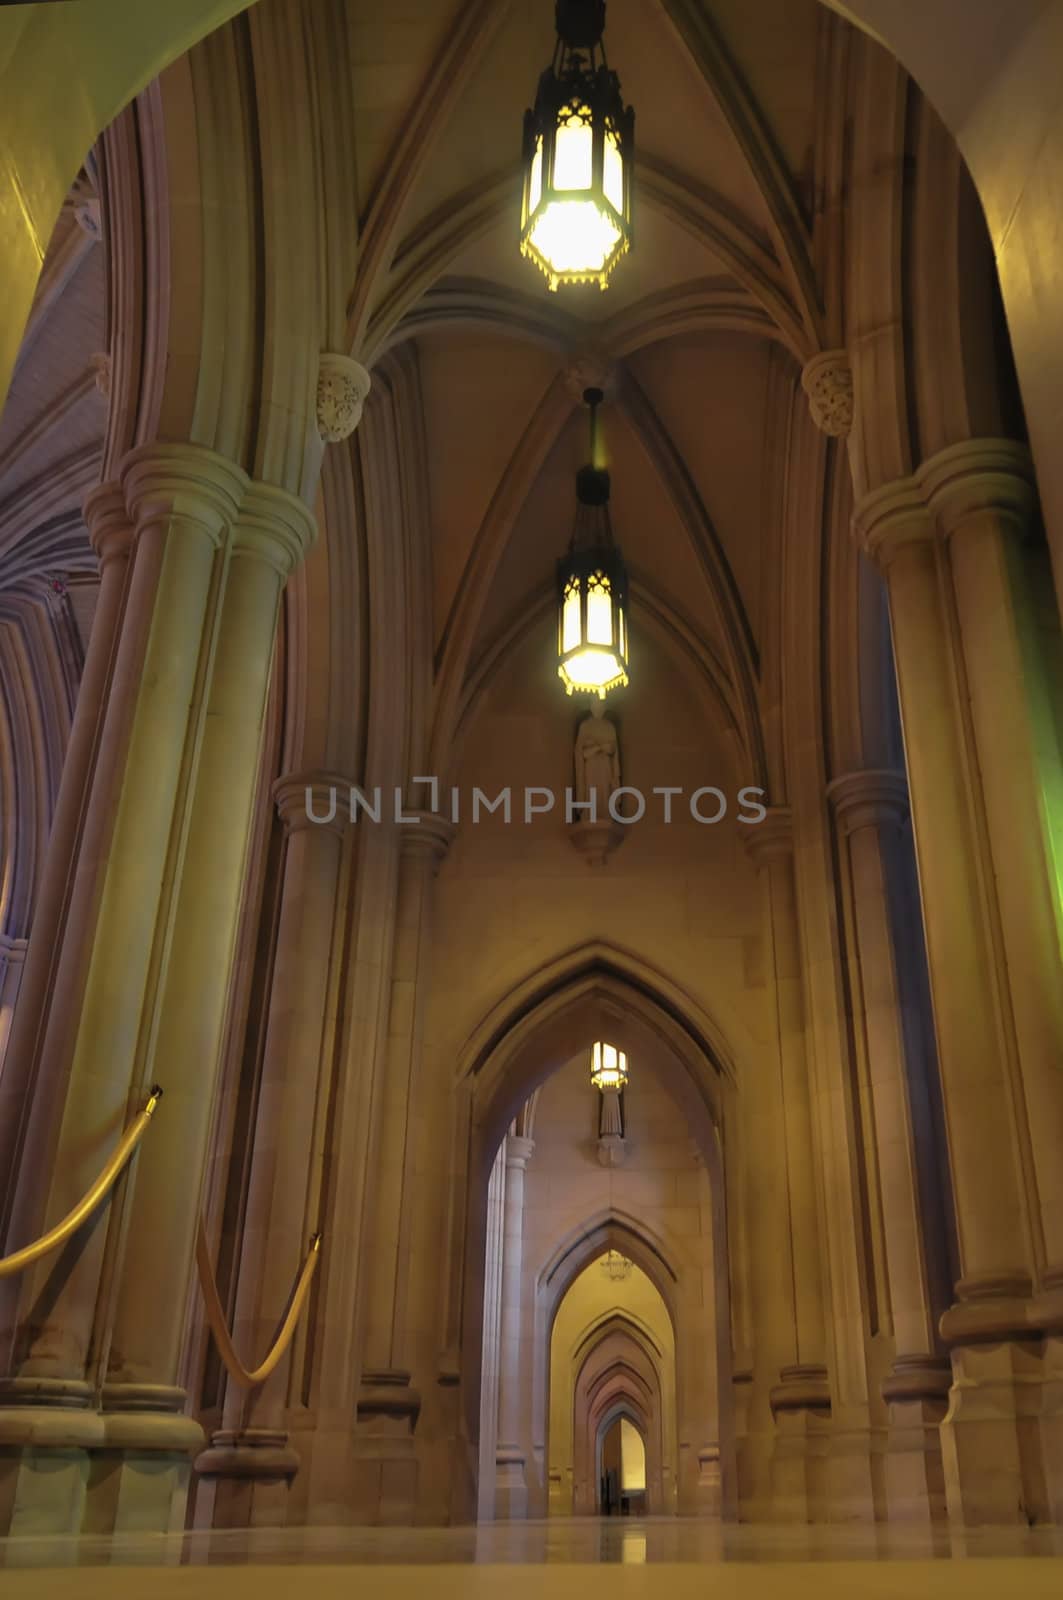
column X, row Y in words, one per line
column 871, row 799
column 13, row 949
column 772, row 838
column 69, row 1394
column 153, row 1397
column 49, row 1414
column 185, row 482
column 275, row 526
column 343, row 385
column 387, row 1393
column 518, row 1150
column 189, row 484
column 990, row 1307
column 917, row 1378
column 290, row 795
column 801, row 1388
column 977, row 476
column 259, row 1453
column 890, row 519
column 828, row 382
column 429, row 836
column 108, row 522
column 149, row 1417
column 958, row 483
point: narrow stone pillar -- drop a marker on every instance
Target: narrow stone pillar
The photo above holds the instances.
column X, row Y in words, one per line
column 989, row 1473
column 250, row 1464
column 387, row 1467
column 182, row 500
column 983, row 497
column 871, row 807
column 111, row 535
column 800, row 1396
column 511, row 1484
column 1049, row 1315
column 492, row 1333
column 272, row 533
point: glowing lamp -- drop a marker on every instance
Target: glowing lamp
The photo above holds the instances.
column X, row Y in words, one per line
column 592, row 633
column 579, row 141
column 608, row 1067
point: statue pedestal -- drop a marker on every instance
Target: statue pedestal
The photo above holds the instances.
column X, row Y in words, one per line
column 596, row 841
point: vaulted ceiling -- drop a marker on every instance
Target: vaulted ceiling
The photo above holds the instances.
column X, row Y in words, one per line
column 732, row 283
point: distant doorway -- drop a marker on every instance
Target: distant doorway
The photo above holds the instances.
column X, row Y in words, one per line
column 621, row 1469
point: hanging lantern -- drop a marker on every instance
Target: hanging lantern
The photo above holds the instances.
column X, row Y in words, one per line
column 592, row 647
column 615, row 1266
column 579, row 138
column 608, row 1067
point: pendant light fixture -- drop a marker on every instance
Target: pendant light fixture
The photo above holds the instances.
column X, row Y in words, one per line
column 592, row 634
column 578, row 151
column 608, row 1067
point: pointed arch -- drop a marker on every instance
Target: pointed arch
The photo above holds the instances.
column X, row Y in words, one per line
column 536, row 1026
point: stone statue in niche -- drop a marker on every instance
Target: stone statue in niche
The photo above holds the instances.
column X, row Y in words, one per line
column 597, row 761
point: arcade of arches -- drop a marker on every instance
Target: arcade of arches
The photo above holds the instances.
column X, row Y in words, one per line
column 286, row 462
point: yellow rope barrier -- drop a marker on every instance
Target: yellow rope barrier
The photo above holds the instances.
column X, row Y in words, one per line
column 248, row 1378
column 86, row 1206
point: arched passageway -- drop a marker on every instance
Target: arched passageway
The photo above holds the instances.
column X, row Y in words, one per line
column 621, row 1285
column 381, row 1031
column 621, row 1460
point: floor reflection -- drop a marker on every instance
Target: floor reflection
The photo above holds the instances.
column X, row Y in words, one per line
column 589, row 1541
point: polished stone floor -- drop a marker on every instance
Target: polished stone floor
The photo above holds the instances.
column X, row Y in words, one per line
column 611, row 1559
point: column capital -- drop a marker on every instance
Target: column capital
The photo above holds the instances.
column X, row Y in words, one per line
column 890, row 519
column 186, row 481
column 342, row 388
column 518, row 1150
column 771, row 838
column 977, row 476
column 303, row 797
column 13, row 949
column 108, row 522
column 429, row 836
column 275, row 526
column 870, row 799
column 828, row 382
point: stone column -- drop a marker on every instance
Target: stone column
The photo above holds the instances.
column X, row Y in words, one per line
column 511, row 1485
column 389, row 1405
column 182, row 500
column 871, row 808
column 111, row 535
column 144, row 1337
column 983, row 497
column 250, row 1463
column 492, row 1332
column 800, row 1398
column 987, row 1459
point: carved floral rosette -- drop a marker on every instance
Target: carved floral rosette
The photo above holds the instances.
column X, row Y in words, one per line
column 342, row 387
column 828, row 382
